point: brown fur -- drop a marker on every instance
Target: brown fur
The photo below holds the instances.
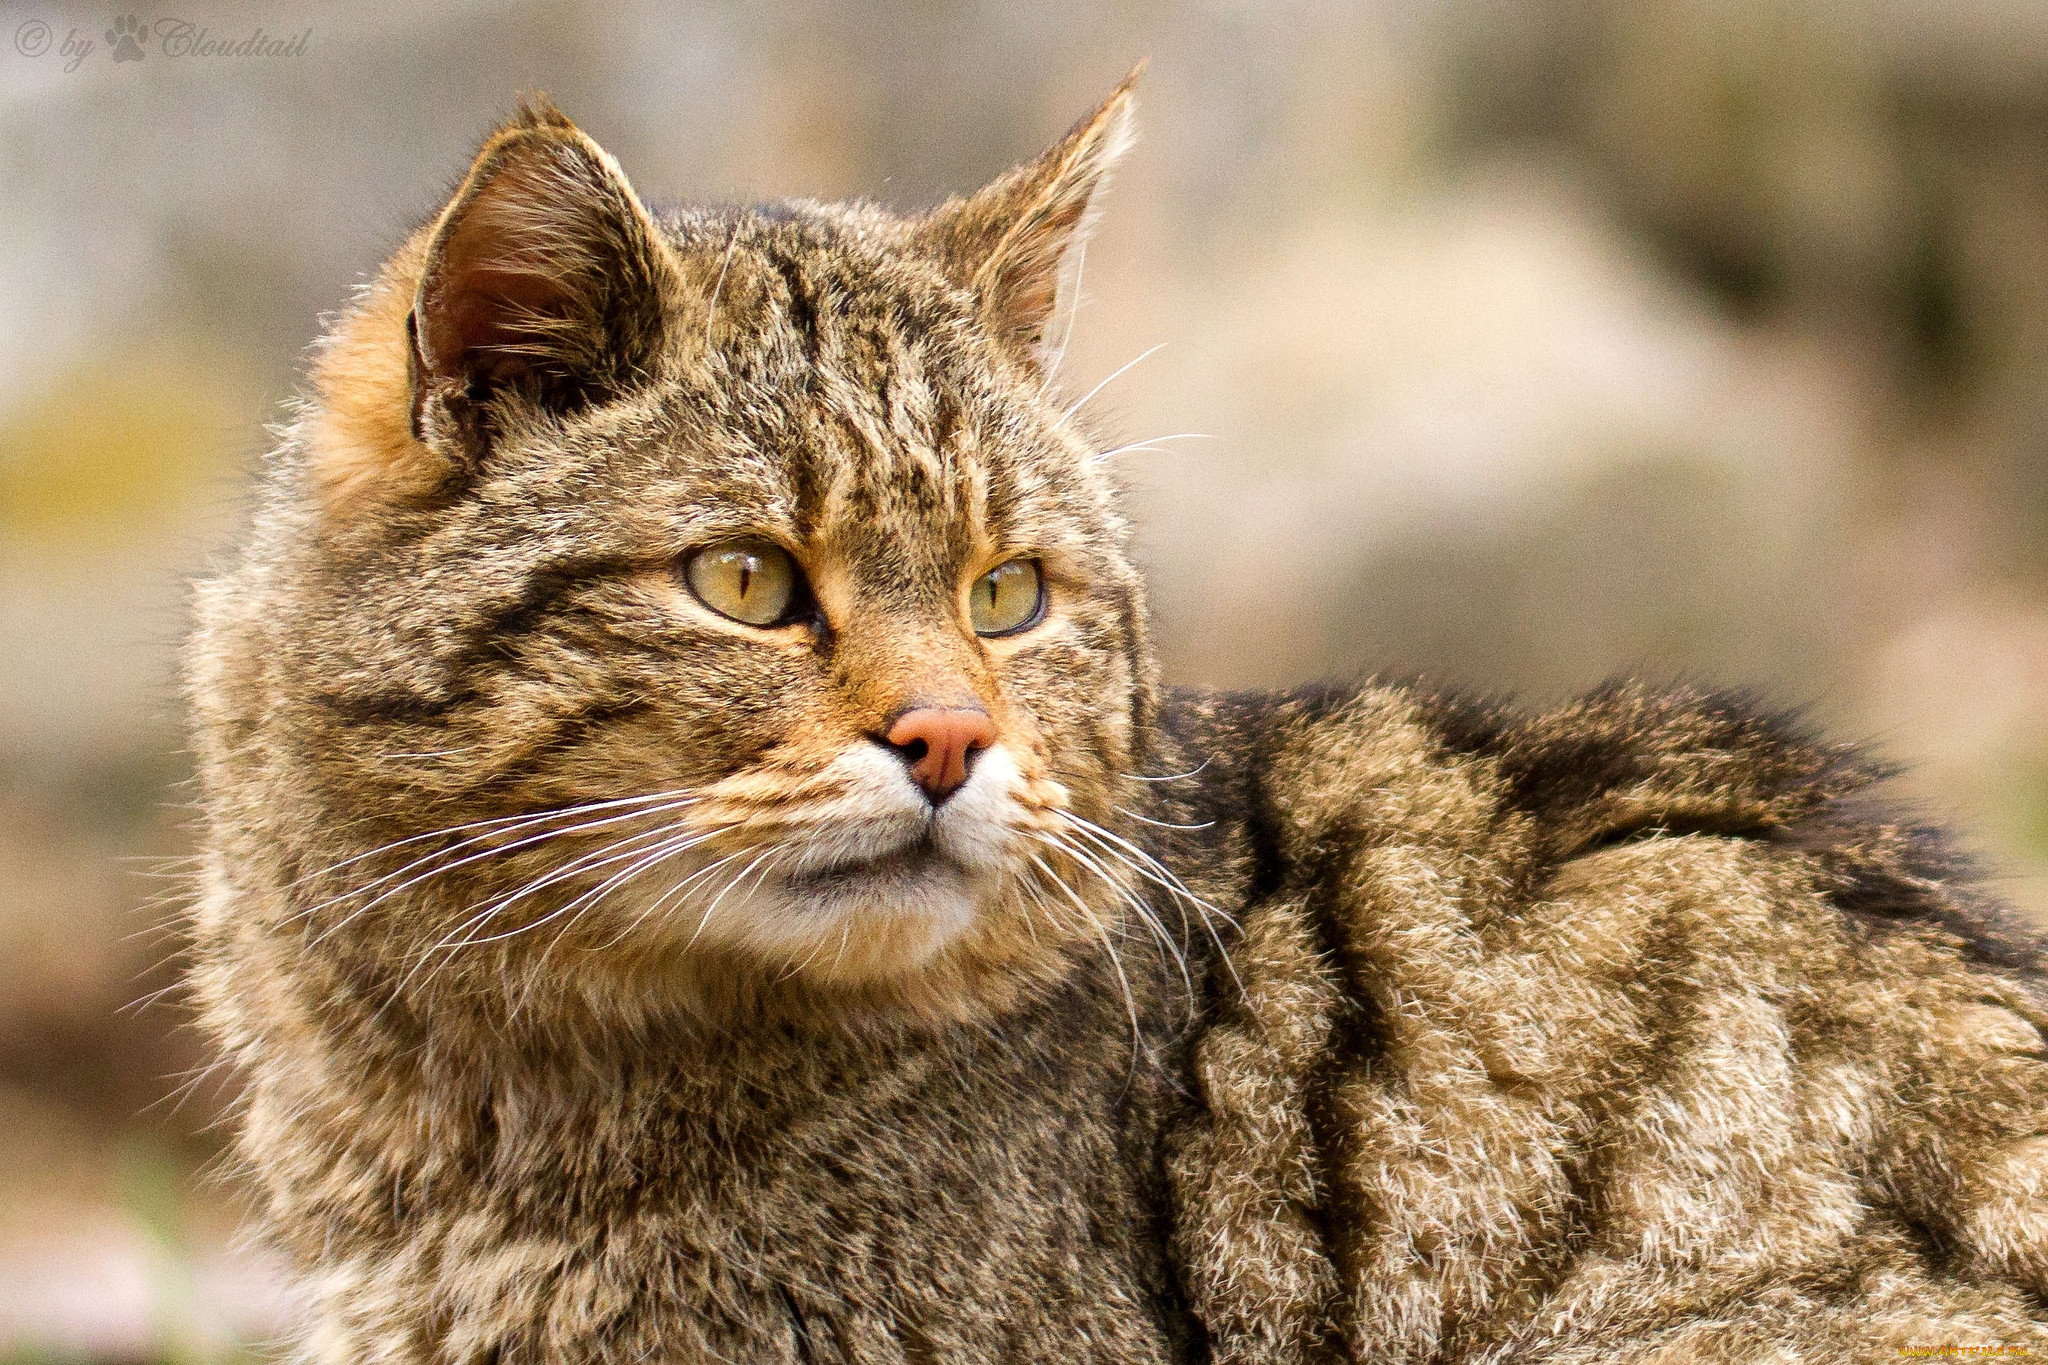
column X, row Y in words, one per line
column 1357, row 1024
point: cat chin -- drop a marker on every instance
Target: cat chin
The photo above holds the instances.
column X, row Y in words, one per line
column 857, row 928
column 867, row 925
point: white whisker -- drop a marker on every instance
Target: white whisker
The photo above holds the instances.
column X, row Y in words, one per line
column 1068, row 415
column 659, row 903
column 1115, row 962
column 1030, row 888
column 647, row 858
column 846, row 928
column 1158, row 873
column 1129, row 897
column 1161, row 824
column 617, row 851
column 1103, row 456
column 711, row 313
column 669, row 841
column 530, row 817
column 726, row 891
column 638, row 869
column 1145, row 865
column 1175, row 777
column 492, row 852
column 1073, row 315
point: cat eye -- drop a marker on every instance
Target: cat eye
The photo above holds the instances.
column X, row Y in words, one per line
column 751, row 581
column 1008, row 598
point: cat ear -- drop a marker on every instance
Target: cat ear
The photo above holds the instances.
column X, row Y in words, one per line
column 1009, row 241
column 544, row 277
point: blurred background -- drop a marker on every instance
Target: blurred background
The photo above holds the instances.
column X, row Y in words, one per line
column 1527, row 341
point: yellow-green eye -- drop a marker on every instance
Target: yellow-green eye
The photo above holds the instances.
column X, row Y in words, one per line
column 748, row 580
column 1007, row 598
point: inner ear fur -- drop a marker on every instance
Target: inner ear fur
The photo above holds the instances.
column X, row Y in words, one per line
column 543, row 281
column 1008, row 241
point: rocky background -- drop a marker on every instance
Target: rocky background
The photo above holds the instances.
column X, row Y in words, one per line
column 1526, row 341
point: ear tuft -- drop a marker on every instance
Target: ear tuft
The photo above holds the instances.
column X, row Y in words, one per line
column 538, row 111
column 1009, row 241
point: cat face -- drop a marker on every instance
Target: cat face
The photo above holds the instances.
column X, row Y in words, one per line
column 722, row 594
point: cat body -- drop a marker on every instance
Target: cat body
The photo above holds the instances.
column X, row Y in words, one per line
column 699, row 868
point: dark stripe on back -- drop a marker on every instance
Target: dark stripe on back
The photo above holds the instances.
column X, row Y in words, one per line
column 1882, row 868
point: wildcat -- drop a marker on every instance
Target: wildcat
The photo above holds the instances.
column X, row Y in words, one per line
column 699, row 867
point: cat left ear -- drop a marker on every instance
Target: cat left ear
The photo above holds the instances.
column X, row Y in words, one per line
column 1009, row 242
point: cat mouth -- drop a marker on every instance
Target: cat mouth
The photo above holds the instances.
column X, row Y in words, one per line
column 912, row 860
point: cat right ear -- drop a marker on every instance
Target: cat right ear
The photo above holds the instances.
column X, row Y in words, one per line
column 1010, row 241
column 544, row 282
column 545, row 278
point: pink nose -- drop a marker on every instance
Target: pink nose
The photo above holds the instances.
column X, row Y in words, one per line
column 937, row 743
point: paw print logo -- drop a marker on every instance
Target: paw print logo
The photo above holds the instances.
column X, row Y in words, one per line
column 125, row 38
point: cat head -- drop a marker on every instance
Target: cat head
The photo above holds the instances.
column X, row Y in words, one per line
column 720, row 596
